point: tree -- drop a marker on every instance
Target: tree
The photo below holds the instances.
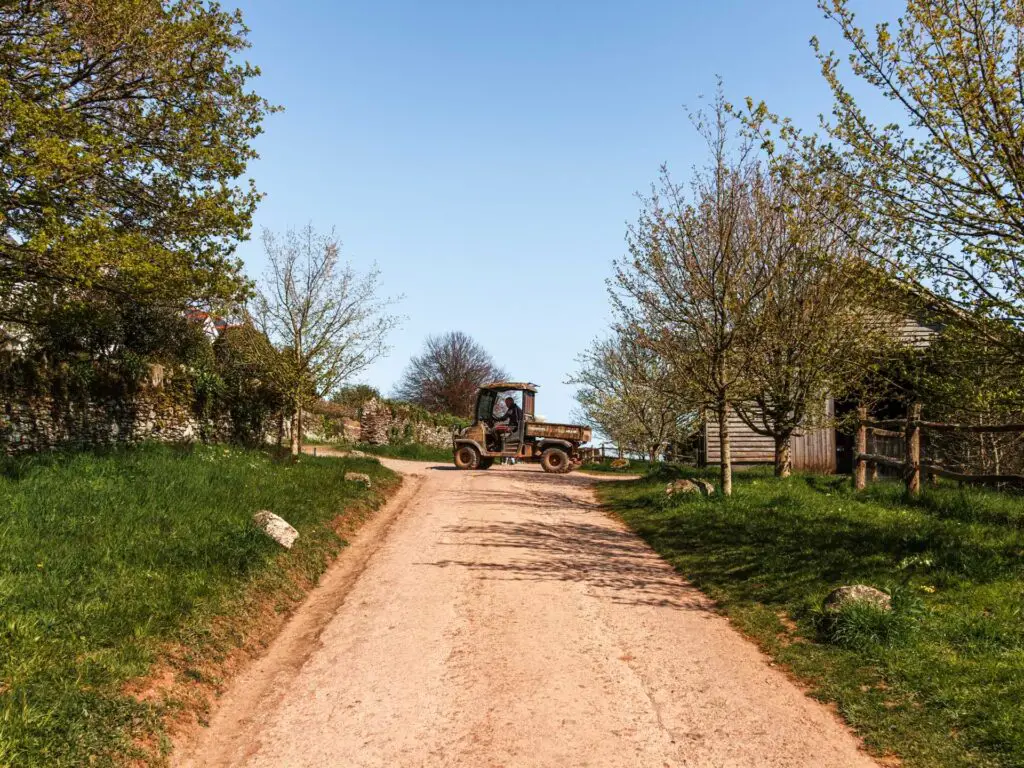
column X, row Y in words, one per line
column 819, row 324
column 626, row 392
column 945, row 186
column 352, row 397
column 447, row 375
column 325, row 319
column 695, row 280
column 125, row 124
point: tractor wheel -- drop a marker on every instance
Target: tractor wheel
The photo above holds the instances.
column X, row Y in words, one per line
column 555, row 460
column 467, row 457
column 486, row 462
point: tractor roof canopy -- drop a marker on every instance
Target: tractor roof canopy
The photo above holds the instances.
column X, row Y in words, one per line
column 502, row 385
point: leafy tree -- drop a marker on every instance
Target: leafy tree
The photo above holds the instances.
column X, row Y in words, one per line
column 626, row 392
column 353, row 396
column 944, row 186
column 125, row 125
column 819, row 324
column 447, row 375
column 325, row 320
column 696, row 279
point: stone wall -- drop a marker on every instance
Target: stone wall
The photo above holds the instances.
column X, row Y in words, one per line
column 380, row 424
column 41, row 423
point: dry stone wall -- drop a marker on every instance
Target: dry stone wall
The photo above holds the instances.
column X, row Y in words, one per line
column 29, row 424
column 381, row 424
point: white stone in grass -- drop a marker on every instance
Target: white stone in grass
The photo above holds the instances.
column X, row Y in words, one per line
column 357, row 454
column 680, row 486
column 276, row 528
column 708, row 489
column 856, row 593
column 358, row 477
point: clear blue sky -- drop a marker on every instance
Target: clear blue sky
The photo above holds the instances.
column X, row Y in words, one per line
column 481, row 153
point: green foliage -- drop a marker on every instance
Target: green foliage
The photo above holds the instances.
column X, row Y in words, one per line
column 129, row 124
column 106, row 558
column 354, row 396
column 940, row 681
column 626, row 392
column 250, row 389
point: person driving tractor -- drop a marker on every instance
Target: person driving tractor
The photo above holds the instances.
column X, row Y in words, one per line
column 513, row 417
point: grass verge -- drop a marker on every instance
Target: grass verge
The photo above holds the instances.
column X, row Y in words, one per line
column 940, row 680
column 108, row 561
column 636, row 467
column 409, row 451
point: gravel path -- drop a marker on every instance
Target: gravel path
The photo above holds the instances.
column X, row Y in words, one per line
column 499, row 618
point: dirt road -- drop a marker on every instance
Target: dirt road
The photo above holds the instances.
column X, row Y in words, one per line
column 499, row 618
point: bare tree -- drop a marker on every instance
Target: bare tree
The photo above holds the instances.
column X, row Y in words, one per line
column 625, row 392
column 695, row 280
column 325, row 319
column 445, row 378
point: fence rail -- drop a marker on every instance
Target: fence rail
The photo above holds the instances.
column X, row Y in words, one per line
column 911, row 465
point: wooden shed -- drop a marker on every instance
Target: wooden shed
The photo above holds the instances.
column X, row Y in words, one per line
column 817, row 450
column 811, row 450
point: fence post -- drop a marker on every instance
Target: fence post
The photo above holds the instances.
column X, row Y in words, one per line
column 860, row 467
column 913, row 450
column 872, row 449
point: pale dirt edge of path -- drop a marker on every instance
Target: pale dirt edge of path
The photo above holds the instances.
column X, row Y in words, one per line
column 269, row 675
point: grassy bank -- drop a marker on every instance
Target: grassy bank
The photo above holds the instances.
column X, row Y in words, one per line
column 940, row 680
column 108, row 560
column 409, row 451
column 636, row 467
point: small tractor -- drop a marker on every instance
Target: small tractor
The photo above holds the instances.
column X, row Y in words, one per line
column 493, row 435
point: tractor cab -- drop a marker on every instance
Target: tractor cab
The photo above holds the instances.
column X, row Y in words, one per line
column 505, row 425
column 503, row 408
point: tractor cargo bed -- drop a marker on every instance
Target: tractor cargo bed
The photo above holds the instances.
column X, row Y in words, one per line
column 570, row 432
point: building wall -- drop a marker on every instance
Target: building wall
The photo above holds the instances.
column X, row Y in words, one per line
column 812, row 450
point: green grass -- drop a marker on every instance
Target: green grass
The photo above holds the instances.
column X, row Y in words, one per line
column 940, row 680
column 409, row 451
column 636, row 467
column 108, row 559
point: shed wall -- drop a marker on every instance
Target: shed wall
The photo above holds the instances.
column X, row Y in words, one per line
column 812, row 451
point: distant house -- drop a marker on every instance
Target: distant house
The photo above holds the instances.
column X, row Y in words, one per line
column 817, row 450
column 212, row 326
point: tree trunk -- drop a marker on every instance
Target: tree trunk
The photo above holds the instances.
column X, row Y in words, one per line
column 295, row 431
column 783, row 457
column 725, row 448
column 913, row 450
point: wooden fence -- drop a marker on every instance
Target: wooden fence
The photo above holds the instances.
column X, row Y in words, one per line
column 912, row 465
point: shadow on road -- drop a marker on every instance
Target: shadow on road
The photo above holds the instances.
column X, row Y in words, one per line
column 615, row 564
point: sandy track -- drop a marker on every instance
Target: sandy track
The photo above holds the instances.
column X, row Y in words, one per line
column 499, row 618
